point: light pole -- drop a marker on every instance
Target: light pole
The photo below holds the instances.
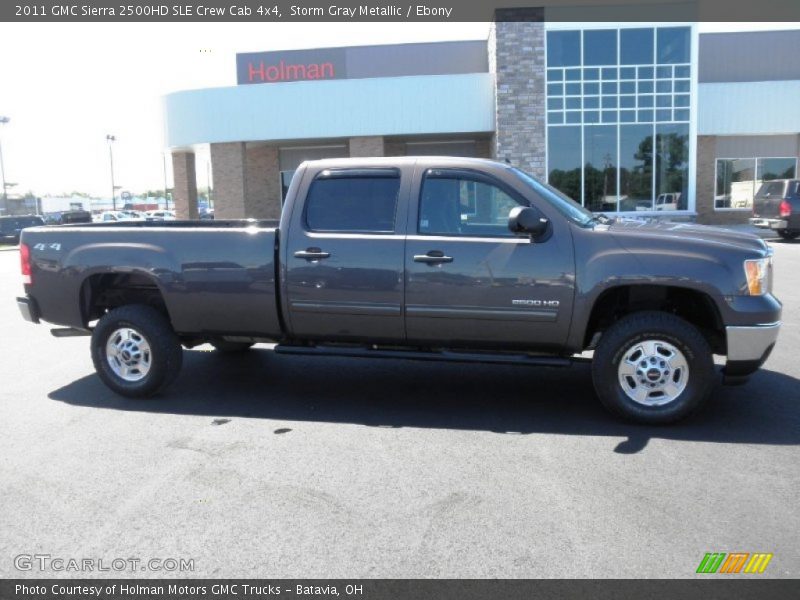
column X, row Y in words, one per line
column 111, row 139
column 3, row 121
column 166, row 189
column 208, row 185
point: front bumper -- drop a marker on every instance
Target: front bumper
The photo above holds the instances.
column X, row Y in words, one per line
column 29, row 309
column 769, row 223
column 749, row 347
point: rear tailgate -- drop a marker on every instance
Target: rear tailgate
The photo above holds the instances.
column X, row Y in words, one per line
column 767, row 202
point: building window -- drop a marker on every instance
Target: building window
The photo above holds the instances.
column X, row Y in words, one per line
column 672, row 166
column 618, row 112
column 564, row 163
column 738, row 179
column 600, row 167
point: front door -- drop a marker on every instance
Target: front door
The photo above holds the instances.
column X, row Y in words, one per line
column 344, row 257
column 473, row 283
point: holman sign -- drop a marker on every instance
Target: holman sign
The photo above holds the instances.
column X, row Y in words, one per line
column 361, row 62
column 295, row 65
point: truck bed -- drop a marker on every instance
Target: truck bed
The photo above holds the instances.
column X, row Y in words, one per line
column 214, row 277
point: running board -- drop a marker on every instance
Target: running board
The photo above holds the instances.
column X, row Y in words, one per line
column 444, row 355
column 61, row 332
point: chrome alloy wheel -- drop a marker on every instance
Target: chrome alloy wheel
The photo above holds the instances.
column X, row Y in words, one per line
column 653, row 372
column 128, row 354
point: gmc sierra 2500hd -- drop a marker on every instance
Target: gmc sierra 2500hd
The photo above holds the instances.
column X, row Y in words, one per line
column 418, row 258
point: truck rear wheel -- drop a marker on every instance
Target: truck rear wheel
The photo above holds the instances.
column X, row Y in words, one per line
column 135, row 351
column 788, row 234
column 653, row 367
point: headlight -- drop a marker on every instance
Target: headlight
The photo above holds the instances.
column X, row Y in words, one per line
column 757, row 273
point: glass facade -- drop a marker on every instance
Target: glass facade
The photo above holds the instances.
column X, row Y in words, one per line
column 618, row 112
column 738, row 179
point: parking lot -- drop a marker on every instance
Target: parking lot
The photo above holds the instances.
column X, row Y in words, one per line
column 275, row 466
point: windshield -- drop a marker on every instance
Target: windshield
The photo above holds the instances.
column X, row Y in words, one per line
column 558, row 200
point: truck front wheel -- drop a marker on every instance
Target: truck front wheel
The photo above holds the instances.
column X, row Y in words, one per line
column 135, row 351
column 653, row 367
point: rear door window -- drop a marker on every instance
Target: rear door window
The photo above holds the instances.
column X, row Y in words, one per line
column 353, row 201
column 773, row 189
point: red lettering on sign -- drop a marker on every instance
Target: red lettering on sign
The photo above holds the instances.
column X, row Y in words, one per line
column 260, row 73
column 252, row 72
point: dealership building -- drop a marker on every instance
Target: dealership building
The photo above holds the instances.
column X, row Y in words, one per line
column 632, row 118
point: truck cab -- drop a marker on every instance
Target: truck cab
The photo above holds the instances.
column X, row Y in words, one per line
column 421, row 253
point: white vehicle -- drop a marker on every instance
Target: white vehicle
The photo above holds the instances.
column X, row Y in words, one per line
column 133, row 215
column 108, row 216
column 668, row 201
column 112, row 216
column 160, row 215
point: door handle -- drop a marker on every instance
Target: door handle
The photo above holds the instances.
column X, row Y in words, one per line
column 312, row 254
column 433, row 257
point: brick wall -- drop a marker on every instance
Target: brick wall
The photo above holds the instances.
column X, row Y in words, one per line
column 263, row 188
column 184, row 193
column 367, row 146
column 228, row 164
column 516, row 53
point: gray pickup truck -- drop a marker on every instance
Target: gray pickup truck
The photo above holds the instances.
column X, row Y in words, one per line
column 418, row 258
column 776, row 206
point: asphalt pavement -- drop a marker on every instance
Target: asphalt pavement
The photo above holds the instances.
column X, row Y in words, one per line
column 275, row 466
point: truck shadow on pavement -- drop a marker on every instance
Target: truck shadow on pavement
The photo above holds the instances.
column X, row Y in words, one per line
column 398, row 393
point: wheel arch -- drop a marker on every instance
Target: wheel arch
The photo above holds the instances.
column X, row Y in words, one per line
column 104, row 290
column 694, row 306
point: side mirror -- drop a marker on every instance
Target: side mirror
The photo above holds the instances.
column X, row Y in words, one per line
column 524, row 219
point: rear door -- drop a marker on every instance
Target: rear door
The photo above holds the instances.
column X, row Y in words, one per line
column 470, row 281
column 344, row 256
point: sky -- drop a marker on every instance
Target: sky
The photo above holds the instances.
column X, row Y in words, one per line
column 65, row 87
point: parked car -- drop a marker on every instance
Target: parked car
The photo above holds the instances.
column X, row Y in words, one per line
column 668, row 201
column 777, row 206
column 74, row 216
column 133, row 215
column 11, row 226
column 425, row 258
column 160, row 215
column 104, row 217
column 112, row 216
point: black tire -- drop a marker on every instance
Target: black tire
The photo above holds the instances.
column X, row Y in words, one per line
column 165, row 356
column 788, row 234
column 639, row 327
column 231, row 347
